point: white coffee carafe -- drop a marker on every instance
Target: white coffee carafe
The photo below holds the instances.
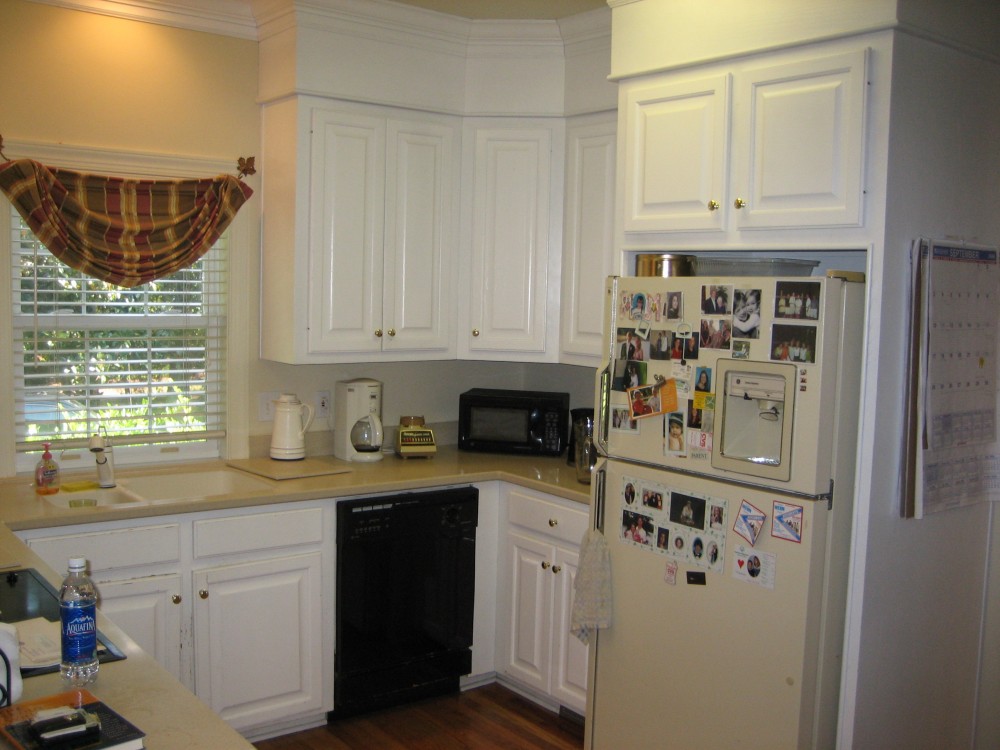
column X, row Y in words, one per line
column 288, row 437
column 357, row 420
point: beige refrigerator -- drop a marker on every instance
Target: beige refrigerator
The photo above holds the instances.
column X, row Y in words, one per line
column 727, row 412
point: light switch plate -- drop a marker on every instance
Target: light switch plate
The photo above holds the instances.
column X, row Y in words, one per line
column 321, row 403
column 265, row 406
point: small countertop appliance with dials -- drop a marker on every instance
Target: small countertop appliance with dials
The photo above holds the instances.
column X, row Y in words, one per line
column 414, row 439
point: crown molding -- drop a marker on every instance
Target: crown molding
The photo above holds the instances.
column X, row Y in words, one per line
column 224, row 17
column 255, row 19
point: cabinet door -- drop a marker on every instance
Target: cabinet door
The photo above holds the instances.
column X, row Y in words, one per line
column 588, row 240
column 508, row 290
column 149, row 610
column 798, row 143
column 529, row 627
column 347, row 206
column 257, row 633
column 675, row 160
column 419, row 238
column 569, row 654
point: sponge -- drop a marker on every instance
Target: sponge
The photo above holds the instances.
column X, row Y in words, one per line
column 80, row 486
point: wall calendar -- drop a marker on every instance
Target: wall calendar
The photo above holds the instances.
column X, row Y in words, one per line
column 953, row 458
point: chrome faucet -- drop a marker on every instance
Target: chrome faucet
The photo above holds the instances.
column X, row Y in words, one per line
column 100, row 446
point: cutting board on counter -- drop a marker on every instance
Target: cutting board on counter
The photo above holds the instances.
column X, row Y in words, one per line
column 314, row 466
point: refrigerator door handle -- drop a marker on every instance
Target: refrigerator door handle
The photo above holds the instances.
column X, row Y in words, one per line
column 603, row 408
column 598, row 485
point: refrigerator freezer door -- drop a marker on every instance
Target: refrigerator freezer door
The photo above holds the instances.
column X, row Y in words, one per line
column 668, row 344
column 714, row 641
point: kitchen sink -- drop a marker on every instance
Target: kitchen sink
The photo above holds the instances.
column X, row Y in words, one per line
column 93, row 498
column 189, row 485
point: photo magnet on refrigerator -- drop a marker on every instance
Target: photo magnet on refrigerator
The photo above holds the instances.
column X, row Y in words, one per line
column 754, row 567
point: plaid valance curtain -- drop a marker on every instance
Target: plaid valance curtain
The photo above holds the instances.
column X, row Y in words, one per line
column 123, row 231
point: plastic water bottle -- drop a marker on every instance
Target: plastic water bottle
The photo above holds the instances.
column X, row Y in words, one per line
column 78, row 625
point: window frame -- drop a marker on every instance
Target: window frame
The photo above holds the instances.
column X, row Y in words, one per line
column 237, row 332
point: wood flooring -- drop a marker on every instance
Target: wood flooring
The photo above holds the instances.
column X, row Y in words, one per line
column 486, row 718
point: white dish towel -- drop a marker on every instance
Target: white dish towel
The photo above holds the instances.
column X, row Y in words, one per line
column 592, row 589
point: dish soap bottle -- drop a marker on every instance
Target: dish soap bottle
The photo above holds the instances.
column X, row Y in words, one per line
column 47, row 474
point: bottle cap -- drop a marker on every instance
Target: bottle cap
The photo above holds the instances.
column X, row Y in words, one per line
column 78, row 563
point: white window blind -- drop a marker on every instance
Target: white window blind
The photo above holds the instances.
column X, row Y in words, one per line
column 147, row 364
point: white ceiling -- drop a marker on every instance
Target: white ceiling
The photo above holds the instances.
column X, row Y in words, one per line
column 509, row 9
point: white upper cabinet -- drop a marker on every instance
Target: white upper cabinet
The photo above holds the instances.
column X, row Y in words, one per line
column 345, row 245
column 588, row 236
column 382, row 236
column 413, row 205
column 359, row 232
column 509, row 307
column 751, row 145
column 798, row 143
column 676, row 138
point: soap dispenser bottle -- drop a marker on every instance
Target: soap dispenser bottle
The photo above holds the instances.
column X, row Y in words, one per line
column 47, row 474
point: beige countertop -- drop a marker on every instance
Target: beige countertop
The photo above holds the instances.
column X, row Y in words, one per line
column 137, row 687
column 21, row 508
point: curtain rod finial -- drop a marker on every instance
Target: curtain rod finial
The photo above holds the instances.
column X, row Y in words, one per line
column 245, row 164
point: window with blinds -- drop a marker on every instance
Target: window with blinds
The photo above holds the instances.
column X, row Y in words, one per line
column 146, row 364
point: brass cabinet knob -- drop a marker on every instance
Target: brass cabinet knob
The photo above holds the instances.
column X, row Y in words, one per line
column 545, row 565
column 203, row 594
column 713, row 206
column 556, row 568
column 176, row 598
column 475, row 331
column 553, row 522
column 378, row 333
column 740, row 203
column 391, row 331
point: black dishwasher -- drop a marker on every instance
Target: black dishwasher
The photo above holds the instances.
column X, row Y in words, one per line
column 406, row 570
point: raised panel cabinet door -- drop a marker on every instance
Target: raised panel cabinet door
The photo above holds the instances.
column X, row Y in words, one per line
column 512, row 184
column 419, row 238
column 588, row 239
column 675, row 154
column 529, row 626
column 148, row 609
column 347, row 206
column 798, row 148
column 569, row 654
column 257, row 639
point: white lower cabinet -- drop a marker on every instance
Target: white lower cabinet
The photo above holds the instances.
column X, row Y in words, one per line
column 148, row 609
column 536, row 648
column 229, row 602
column 137, row 572
column 257, row 635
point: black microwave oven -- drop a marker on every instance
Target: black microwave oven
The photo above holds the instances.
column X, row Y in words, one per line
column 506, row 421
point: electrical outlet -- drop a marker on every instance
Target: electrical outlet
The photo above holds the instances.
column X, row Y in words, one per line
column 265, row 406
column 322, row 404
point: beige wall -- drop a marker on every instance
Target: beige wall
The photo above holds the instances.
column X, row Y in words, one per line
column 89, row 80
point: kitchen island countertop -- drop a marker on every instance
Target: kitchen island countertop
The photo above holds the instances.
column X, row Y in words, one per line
column 137, row 687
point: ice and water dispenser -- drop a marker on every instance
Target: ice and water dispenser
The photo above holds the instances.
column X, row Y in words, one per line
column 755, row 404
